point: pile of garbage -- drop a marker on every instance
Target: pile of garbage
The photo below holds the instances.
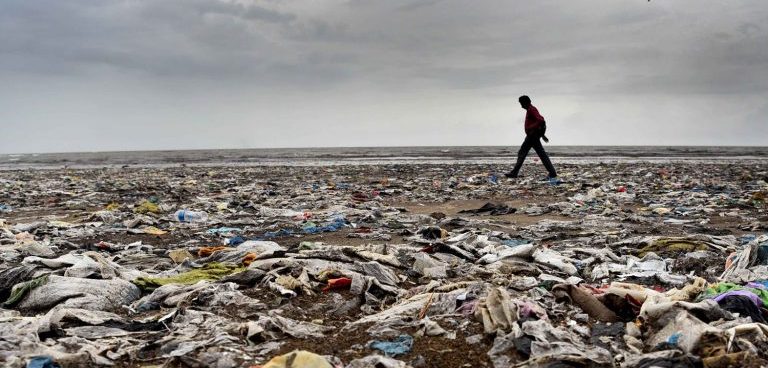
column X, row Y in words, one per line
column 615, row 265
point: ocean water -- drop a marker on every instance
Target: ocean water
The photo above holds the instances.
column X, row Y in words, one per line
column 375, row 155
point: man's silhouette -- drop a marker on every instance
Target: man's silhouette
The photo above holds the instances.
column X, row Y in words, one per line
column 535, row 127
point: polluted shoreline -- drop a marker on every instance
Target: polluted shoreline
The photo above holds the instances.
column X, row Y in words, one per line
column 495, row 161
column 625, row 263
column 373, row 156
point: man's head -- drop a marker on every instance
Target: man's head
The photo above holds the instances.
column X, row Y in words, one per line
column 525, row 101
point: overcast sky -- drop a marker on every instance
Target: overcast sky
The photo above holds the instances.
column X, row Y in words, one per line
column 88, row 75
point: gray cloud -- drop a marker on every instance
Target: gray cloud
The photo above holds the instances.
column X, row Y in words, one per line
column 356, row 69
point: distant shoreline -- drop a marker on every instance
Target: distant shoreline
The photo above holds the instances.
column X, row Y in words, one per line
column 383, row 149
column 375, row 156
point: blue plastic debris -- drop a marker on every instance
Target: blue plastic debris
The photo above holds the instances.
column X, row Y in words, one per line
column 223, row 230
column 493, row 179
column 42, row 361
column 148, row 306
column 401, row 345
column 234, row 241
column 336, row 225
column 747, row 238
column 277, row 234
column 554, row 181
column 674, row 339
column 514, row 242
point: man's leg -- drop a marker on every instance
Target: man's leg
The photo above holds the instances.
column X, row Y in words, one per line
column 521, row 154
column 544, row 158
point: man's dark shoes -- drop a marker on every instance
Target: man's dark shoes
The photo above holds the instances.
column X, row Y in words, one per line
column 510, row 175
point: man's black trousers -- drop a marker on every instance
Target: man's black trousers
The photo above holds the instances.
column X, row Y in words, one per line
column 533, row 141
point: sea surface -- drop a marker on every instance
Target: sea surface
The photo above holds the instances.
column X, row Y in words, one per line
column 375, row 156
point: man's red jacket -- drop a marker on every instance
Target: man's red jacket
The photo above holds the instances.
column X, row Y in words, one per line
column 533, row 120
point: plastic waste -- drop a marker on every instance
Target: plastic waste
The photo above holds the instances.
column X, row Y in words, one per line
column 497, row 311
column 296, row 359
column 45, row 361
column 190, row 216
column 615, row 266
column 399, row 346
column 146, row 207
column 235, row 240
column 337, row 284
column 217, row 231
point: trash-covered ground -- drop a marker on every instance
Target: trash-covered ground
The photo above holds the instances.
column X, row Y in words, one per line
column 617, row 264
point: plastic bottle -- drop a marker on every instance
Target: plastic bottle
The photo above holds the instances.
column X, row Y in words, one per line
column 190, row 216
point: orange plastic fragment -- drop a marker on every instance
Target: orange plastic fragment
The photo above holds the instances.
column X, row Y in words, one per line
column 207, row 251
column 249, row 258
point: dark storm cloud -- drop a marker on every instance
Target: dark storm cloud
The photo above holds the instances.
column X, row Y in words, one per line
column 456, row 44
column 191, row 38
column 267, row 65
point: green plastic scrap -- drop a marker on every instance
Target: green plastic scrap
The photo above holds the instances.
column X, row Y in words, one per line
column 673, row 245
column 211, row 271
column 147, row 207
column 307, row 245
column 21, row 289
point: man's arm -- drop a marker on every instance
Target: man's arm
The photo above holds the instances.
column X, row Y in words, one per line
column 542, row 125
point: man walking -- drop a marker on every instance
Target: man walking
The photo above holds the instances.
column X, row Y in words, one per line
column 535, row 127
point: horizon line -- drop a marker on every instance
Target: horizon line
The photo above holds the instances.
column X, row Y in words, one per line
column 361, row 147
